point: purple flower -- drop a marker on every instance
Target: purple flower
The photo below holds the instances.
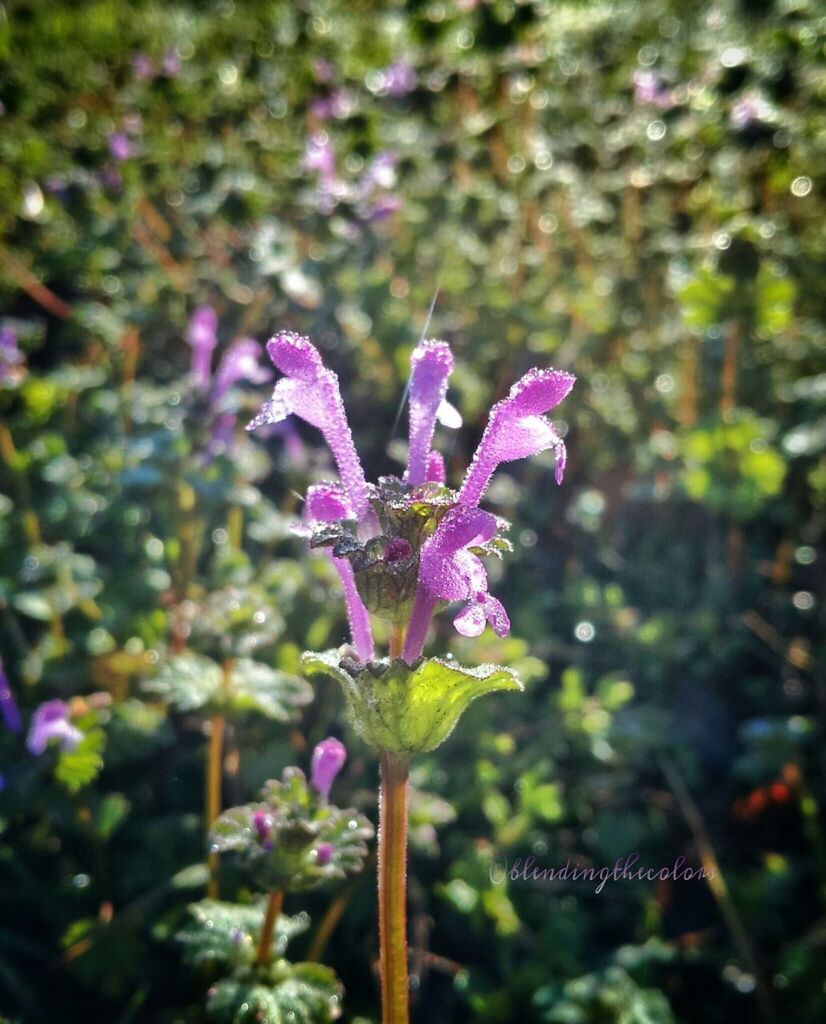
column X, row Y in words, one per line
column 120, row 148
column 310, row 391
column 431, row 365
column 51, row 722
column 650, row 88
column 449, row 571
column 319, row 156
column 11, row 358
column 328, row 760
column 517, row 429
column 337, row 104
column 241, row 361
column 8, row 705
column 748, row 110
column 143, row 66
column 324, row 853
column 202, row 335
column 398, row 79
column 327, row 503
column 171, row 63
column 384, row 571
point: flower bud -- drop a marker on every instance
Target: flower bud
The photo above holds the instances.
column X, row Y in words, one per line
column 328, row 758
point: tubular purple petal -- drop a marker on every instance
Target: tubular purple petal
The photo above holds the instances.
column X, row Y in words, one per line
column 310, row 391
column 327, row 503
column 328, row 760
column 436, row 468
column 517, row 428
column 431, row 364
column 239, row 362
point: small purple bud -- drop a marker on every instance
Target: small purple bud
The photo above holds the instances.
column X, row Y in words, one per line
column 236, row 936
column 324, row 853
column 171, row 63
column 328, row 759
column 262, row 823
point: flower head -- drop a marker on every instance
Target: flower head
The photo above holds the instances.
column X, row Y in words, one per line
column 649, row 88
column 51, row 722
column 401, row 547
column 328, row 760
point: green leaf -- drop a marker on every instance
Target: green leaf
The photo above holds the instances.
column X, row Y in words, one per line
column 187, row 681
column 190, row 681
column 408, row 709
column 78, row 767
column 228, row 933
column 254, row 686
column 298, row 994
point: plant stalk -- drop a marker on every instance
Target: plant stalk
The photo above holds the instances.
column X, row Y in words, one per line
column 215, row 756
column 392, row 854
column 274, row 905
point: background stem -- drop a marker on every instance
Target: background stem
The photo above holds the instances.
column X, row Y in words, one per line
column 215, row 752
column 392, row 851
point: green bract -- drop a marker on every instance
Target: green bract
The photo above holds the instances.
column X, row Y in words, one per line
column 408, row 709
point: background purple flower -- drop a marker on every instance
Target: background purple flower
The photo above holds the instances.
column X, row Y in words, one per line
column 201, row 333
column 8, row 705
column 11, row 358
column 120, row 148
column 51, row 722
column 399, row 78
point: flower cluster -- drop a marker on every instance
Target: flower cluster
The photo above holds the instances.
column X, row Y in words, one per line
column 403, row 546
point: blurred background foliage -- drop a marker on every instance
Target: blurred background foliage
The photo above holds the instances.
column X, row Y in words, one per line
column 634, row 192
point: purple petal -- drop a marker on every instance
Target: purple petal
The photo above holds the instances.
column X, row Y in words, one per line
column 120, row 148
column 51, row 722
column 328, row 759
column 436, row 468
column 240, row 362
column 431, row 364
column 310, row 391
column 202, row 335
column 450, row 572
column 516, row 428
column 262, row 823
column 327, row 503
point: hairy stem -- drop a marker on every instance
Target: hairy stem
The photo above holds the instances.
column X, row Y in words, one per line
column 274, row 905
column 392, row 853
